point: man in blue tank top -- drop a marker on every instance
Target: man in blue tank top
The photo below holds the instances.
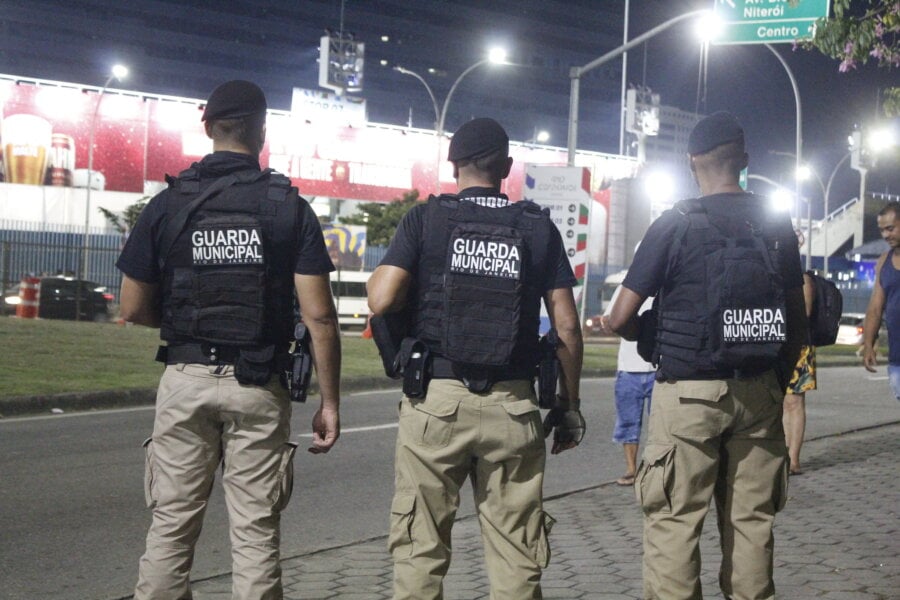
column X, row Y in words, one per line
column 885, row 298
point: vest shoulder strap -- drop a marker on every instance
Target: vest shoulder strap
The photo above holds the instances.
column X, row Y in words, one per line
column 279, row 186
column 188, row 181
column 178, row 222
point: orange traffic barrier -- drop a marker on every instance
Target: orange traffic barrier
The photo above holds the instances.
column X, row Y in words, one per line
column 29, row 297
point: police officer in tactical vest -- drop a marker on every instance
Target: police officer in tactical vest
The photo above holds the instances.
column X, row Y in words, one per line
column 726, row 333
column 214, row 261
column 470, row 271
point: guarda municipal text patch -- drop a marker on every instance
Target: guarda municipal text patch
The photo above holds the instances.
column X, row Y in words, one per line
column 753, row 325
column 486, row 258
column 227, row 246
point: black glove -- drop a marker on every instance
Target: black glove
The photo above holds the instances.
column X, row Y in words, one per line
column 567, row 425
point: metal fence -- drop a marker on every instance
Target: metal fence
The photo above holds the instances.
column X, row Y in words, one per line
column 44, row 249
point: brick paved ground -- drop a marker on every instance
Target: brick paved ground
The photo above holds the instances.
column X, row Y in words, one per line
column 837, row 539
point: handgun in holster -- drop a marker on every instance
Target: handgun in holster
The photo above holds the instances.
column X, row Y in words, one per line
column 300, row 365
column 548, row 369
column 402, row 355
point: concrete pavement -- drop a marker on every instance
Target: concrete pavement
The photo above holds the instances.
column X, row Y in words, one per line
column 837, row 539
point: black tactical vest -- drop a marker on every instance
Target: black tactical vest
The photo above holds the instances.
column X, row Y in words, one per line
column 228, row 276
column 737, row 321
column 478, row 294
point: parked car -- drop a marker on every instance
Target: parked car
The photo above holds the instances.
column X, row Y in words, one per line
column 592, row 326
column 57, row 299
column 850, row 329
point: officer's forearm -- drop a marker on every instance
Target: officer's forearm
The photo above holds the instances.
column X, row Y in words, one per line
column 571, row 353
column 628, row 329
column 326, row 353
column 139, row 302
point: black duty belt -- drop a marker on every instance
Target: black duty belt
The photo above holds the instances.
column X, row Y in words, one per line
column 201, row 354
column 663, row 377
column 441, row 368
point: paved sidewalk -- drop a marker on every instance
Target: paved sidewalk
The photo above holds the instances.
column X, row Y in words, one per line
column 837, row 539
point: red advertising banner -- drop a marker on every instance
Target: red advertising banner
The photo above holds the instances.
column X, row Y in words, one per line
column 46, row 130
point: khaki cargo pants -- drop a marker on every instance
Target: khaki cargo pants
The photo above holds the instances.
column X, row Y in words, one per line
column 721, row 439
column 496, row 440
column 204, row 419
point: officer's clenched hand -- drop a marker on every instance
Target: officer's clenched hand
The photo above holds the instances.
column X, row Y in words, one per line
column 326, row 428
column 567, row 426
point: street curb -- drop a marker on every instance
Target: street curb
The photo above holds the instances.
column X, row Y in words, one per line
column 34, row 405
column 20, row 406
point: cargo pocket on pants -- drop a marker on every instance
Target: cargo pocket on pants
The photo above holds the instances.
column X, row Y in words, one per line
column 541, row 542
column 284, row 486
column 403, row 509
column 436, row 420
column 149, row 474
column 780, row 490
column 653, row 480
column 523, row 424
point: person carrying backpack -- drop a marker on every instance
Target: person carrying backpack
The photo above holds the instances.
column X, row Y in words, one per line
column 729, row 324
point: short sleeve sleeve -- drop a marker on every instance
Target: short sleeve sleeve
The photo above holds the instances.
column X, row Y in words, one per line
column 559, row 273
column 404, row 248
column 312, row 255
column 647, row 272
column 138, row 259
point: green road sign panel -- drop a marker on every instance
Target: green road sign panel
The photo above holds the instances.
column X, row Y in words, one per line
column 767, row 21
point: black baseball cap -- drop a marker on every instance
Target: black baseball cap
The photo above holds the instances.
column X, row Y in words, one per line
column 477, row 138
column 234, row 99
column 713, row 131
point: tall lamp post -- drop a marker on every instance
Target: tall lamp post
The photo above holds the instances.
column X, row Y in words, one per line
column 495, row 56
column 118, row 72
column 804, row 173
column 825, row 217
column 575, row 74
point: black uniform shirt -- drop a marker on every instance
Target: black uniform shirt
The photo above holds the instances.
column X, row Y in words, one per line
column 406, row 247
column 139, row 261
column 684, row 288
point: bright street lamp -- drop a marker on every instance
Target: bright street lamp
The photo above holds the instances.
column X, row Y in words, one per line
column 495, row 56
column 780, row 199
column 825, row 216
column 118, row 72
column 805, row 173
column 881, row 139
column 540, row 136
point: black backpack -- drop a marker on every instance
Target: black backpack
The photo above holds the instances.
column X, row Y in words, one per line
column 826, row 313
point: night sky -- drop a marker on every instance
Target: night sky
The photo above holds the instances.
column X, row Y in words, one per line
column 182, row 48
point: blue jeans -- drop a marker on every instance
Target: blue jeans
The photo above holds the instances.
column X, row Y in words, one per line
column 632, row 391
column 894, row 376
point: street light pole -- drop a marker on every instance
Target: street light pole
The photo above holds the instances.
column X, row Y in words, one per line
column 825, row 222
column 799, row 144
column 118, row 72
column 803, row 174
column 575, row 74
column 497, row 56
column 437, row 119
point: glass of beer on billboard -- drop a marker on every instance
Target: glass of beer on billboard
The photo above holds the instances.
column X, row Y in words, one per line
column 26, row 148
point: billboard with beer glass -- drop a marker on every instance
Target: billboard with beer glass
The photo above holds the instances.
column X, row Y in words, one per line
column 45, row 128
